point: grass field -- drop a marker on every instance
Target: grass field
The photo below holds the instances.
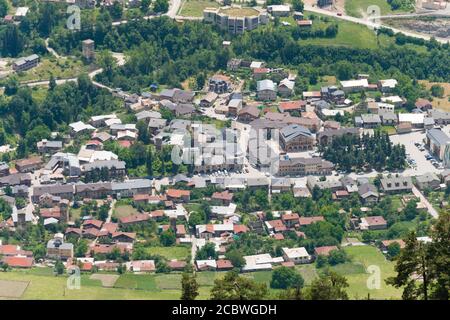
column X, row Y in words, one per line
column 368, row 256
column 121, row 211
column 62, row 68
column 358, row 8
column 194, row 8
column 177, row 252
column 349, row 34
column 44, row 285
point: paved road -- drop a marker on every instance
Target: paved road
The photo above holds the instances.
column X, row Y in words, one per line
column 111, row 210
column 370, row 24
column 51, row 50
column 427, row 203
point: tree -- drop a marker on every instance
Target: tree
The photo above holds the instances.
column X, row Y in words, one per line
column 321, row 261
column 236, row 258
column 437, row 91
column 145, row 4
column 116, row 10
column 161, row 6
column 149, row 162
column 208, row 251
column 336, row 257
column 413, row 263
column 329, row 286
column 284, row 278
column 234, row 287
column 393, row 250
column 59, row 267
column 189, row 286
column 167, row 238
column 298, row 5
column 422, row 268
column 3, row 8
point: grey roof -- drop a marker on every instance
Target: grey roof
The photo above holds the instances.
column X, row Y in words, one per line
column 184, row 108
column 428, row 121
column 438, row 136
column 168, row 104
column 367, row 189
column 306, row 161
column 147, row 115
column 53, row 243
column 157, row 123
column 427, row 177
column 265, row 85
column 396, row 183
column 293, row 131
column 280, row 182
column 327, row 184
column 370, row 118
column 104, row 164
column 131, row 184
column 3, row 166
column 387, row 115
column 439, row 115
column 322, row 104
column 337, row 132
column 53, row 189
column 50, row 144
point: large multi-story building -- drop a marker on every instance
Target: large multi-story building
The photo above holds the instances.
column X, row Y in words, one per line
column 26, row 63
column 236, row 19
column 304, row 166
column 295, row 138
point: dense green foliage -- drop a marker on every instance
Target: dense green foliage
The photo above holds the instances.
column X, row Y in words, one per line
column 369, row 152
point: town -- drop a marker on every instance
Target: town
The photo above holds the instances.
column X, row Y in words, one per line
column 255, row 167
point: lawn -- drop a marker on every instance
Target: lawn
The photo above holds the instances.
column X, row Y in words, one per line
column 349, row 34
column 62, row 68
column 358, row 8
column 137, row 281
column 176, row 252
column 49, row 287
column 357, row 279
column 194, row 8
column 121, row 211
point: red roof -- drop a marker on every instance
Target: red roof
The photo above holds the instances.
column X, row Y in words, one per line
column 324, row 251
column 278, row 225
column 124, row 143
column 181, row 230
column 224, row 195
column 157, row 213
column 111, row 227
column 290, row 216
column 130, row 235
column 54, row 212
column 278, row 236
column 73, row 230
column 94, row 223
column 239, row 228
column 261, row 70
column 224, row 264
column 18, row 262
column 177, row 193
column 176, row 265
column 140, row 217
column 304, row 221
column 141, row 197
column 292, row 105
column 13, row 250
column 375, row 220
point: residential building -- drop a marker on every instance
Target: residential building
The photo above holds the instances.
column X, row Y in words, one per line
column 387, row 85
column 423, row 104
column 373, row 223
column 248, row 114
column 286, row 87
column 326, row 137
column 29, row 164
column 368, row 193
column 428, row 181
column 396, row 184
column 296, row 255
column 58, row 249
column 45, row 146
column 219, row 84
column 87, row 48
column 266, row 90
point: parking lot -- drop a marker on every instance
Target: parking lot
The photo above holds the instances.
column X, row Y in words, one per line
column 422, row 165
